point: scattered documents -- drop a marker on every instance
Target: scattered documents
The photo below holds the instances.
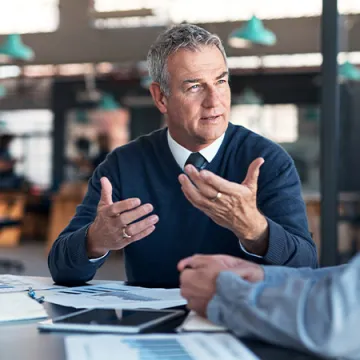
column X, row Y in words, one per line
column 194, row 322
column 19, row 306
column 13, row 283
column 159, row 347
column 115, row 295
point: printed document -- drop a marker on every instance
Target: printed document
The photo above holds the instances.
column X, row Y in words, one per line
column 19, row 306
column 195, row 322
column 13, row 283
column 157, row 347
column 115, row 295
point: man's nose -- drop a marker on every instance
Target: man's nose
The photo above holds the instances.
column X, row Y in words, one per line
column 212, row 98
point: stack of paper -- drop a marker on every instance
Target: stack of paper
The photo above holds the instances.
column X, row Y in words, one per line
column 13, row 283
column 157, row 347
column 19, row 306
column 115, row 295
column 194, row 322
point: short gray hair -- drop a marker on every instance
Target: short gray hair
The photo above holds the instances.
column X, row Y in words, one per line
column 184, row 36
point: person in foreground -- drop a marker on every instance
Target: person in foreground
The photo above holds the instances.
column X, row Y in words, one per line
column 313, row 309
column 199, row 185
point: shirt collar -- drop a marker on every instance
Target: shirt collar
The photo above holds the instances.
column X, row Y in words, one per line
column 181, row 154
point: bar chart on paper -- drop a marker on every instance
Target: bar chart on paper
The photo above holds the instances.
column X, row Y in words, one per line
column 116, row 295
column 14, row 283
column 157, row 347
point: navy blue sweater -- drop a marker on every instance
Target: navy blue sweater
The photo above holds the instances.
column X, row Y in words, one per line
column 145, row 168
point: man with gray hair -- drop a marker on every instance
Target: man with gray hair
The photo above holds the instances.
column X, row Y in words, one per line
column 200, row 176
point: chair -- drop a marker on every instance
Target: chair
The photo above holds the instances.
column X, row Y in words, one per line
column 11, row 212
column 63, row 208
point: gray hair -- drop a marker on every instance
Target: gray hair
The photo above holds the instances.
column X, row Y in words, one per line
column 184, row 36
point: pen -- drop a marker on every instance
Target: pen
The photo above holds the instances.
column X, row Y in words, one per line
column 32, row 294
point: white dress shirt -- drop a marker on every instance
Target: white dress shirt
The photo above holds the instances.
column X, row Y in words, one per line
column 181, row 154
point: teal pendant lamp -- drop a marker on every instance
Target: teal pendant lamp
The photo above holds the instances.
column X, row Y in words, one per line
column 249, row 97
column 2, row 91
column 253, row 32
column 348, row 71
column 108, row 103
column 81, row 117
column 146, row 81
column 14, row 48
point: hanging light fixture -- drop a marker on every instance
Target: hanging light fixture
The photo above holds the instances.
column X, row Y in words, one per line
column 253, row 32
column 146, row 81
column 348, row 71
column 248, row 97
column 14, row 48
column 108, row 103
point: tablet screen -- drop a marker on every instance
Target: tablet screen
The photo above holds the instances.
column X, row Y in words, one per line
column 114, row 317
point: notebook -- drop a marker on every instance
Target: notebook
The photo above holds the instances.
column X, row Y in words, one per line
column 19, row 306
column 194, row 322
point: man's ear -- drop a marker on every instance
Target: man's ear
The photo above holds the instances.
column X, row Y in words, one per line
column 158, row 97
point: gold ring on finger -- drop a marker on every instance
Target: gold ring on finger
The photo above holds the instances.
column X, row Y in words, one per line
column 125, row 234
column 218, row 196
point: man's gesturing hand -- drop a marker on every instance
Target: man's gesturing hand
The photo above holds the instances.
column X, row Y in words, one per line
column 229, row 204
column 115, row 221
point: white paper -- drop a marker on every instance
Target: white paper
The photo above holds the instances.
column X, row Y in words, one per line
column 14, row 283
column 157, row 347
column 116, row 295
column 19, row 306
column 194, row 322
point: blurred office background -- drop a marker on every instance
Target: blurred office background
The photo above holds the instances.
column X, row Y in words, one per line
column 71, row 70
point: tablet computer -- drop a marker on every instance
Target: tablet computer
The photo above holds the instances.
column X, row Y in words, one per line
column 110, row 320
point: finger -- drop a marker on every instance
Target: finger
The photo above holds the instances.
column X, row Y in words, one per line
column 123, row 205
column 186, row 279
column 106, row 191
column 253, row 173
column 146, row 232
column 130, row 216
column 195, row 262
column 192, row 193
column 182, row 264
column 218, row 183
column 204, row 188
column 138, row 227
column 244, row 272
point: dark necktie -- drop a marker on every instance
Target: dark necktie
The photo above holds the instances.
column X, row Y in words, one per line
column 197, row 160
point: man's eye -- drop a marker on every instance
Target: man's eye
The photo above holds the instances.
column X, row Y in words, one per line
column 222, row 81
column 194, row 87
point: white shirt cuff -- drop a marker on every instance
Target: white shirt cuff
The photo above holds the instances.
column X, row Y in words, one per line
column 98, row 259
column 248, row 253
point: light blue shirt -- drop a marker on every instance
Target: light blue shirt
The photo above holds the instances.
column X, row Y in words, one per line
column 317, row 310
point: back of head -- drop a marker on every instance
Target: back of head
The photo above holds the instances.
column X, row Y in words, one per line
column 5, row 140
column 103, row 140
column 184, row 36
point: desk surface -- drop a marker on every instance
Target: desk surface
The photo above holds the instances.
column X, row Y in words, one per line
column 23, row 340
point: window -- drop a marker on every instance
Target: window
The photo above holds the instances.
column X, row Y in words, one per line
column 203, row 11
column 33, row 143
column 278, row 123
column 28, row 16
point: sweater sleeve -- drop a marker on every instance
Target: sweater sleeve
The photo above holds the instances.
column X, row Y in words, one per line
column 280, row 200
column 68, row 261
column 316, row 310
